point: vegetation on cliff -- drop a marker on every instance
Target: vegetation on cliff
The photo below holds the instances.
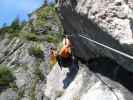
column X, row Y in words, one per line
column 25, row 50
column 6, row 75
column 43, row 25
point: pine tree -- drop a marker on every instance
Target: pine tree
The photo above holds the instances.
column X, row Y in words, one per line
column 15, row 26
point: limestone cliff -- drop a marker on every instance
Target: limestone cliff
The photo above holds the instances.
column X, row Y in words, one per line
column 106, row 21
column 94, row 73
column 84, row 84
column 24, row 50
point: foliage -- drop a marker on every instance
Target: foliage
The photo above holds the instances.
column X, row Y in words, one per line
column 38, row 76
column 51, row 38
column 36, row 51
column 14, row 28
column 43, row 13
column 28, row 36
column 46, row 16
column 39, row 73
column 6, row 75
column 13, row 86
column 20, row 94
column 32, row 91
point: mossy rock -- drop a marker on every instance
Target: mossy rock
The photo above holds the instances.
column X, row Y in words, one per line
column 52, row 39
column 29, row 36
column 36, row 51
column 6, row 76
column 39, row 73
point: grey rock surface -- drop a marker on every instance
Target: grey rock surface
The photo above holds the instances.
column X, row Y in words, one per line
column 15, row 54
column 106, row 21
column 8, row 94
column 85, row 85
column 26, row 54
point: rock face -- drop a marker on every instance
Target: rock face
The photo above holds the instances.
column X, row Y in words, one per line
column 94, row 75
column 84, row 84
column 9, row 94
column 27, row 69
column 106, row 21
column 26, row 54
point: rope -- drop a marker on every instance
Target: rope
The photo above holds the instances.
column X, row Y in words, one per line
column 107, row 47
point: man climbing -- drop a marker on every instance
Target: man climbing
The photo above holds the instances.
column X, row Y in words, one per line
column 65, row 51
column 64, row 57
column 65, row 54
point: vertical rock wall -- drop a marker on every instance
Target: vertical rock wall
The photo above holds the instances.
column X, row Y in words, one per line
column 106, row 21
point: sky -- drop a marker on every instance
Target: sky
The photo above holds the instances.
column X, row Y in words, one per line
column 10, row 9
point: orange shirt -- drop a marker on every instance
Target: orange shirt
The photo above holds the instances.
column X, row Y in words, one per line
column 65, row 52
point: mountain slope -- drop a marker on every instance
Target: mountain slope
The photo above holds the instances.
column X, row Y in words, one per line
column 95, row 73
column 25, row 51
column 106, row 21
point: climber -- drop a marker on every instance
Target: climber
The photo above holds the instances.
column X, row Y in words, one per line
column 65, row 55
column 65, row 51
column 53, row 55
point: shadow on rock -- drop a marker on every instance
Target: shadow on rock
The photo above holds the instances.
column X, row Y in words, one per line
column 2, row 88
column 72, row 64
column 109, row 68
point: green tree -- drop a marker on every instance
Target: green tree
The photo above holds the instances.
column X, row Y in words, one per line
column 16, row 25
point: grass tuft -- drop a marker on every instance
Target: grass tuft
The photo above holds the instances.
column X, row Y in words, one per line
column 6, row 75
column 36, row 51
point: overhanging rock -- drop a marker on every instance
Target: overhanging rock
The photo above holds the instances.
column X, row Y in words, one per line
column 106, row 21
